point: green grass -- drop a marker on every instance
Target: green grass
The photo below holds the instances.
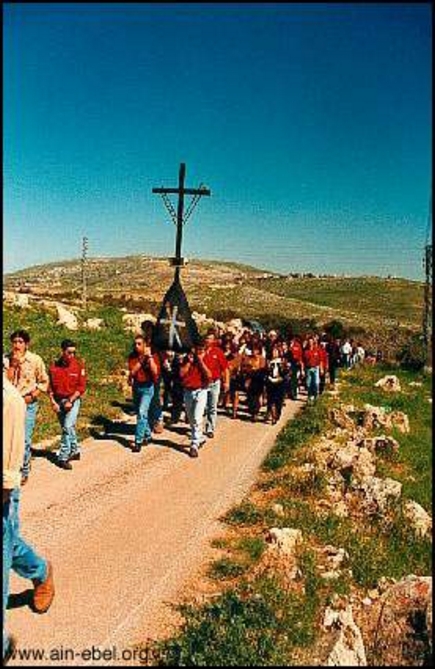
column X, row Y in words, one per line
column 260, row 622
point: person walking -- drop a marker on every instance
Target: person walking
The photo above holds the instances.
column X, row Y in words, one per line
column 275, row 385
column 217, row 363
column 195, row 376
column 67, row 385
column 253, row 368
column 312, row 363
column 26, row 371
column 295, row 358
column 17, row 554
column 144, row 372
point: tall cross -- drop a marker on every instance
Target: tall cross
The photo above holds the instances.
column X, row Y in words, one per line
column 180, row 218
column 171, row 320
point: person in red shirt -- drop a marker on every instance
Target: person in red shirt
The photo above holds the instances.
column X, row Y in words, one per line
column 144, row 371
column 195, row 377
column 313, row 364
column 295, row 357
column 324, row 366
column 67, row 385
column 216, row 361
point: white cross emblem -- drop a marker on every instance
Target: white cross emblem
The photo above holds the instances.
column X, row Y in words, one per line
column 171, row 320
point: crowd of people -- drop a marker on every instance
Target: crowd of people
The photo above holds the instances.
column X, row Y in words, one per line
column 248, row 373
column 249, row 370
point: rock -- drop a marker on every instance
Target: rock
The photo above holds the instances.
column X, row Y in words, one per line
column 22, row 300
column 278, row 509
column 379, row 493
column 403, row 632
column 66, row 318
column 94, row 323
column 335, row 556
column 340, row 509
column 348, row 650
column 283, row 540
column 352, row 460
column 418, row 518
column 377, row 417
column 381, row 444
column 389, row 383
column 400, row 420
column 340, row 418
column 332, row 575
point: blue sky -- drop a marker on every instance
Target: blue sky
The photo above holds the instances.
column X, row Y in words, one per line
column 311, row 125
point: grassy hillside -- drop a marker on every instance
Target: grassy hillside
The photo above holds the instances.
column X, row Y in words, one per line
column 231, row 289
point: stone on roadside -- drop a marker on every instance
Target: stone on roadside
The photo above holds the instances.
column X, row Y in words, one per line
column 66, row 318
column 283, row 540
column 389, row 383
column 94, row 323
column 418, row 518
column 278, row 510
column 348, row 651
column 403, row 632
column 378, row 494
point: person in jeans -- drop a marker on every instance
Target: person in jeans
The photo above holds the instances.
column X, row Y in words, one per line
column 217, row 363
column 17, row 554
column 67, row 385
column 312, row 363
column 26, row 370
column 195, row 376
column 144, row 372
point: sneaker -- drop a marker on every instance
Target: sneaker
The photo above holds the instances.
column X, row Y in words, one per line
column 43, row 593
column 158, row 428
column 64, row 464
column 136, row 448
column 76, row 456
column 210, row 434
column 24, row 480
column 193, row 452
column 201, row 443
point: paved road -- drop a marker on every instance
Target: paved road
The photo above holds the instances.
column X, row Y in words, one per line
column 126, row 531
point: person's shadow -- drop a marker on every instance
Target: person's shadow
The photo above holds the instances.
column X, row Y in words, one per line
column 104, row 428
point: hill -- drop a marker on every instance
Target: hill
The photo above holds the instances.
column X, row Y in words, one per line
column 225, row 289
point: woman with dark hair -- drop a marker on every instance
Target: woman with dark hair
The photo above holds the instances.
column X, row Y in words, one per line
column 253, row 368
column 275, row 385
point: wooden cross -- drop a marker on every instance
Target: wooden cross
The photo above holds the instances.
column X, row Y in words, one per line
column 181, row 191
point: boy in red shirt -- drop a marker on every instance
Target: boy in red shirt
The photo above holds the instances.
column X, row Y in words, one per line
column 195, row 377
column 217, row 363
column 67, row 385
column 313, row 363
column 144, row 371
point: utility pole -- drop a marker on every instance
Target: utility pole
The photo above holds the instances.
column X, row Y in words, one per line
column 84, row 268
column 179, row 217
column 427, row 313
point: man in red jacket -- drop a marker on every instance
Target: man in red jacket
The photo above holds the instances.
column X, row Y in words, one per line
column 217, row 363
column 195, row 377
column 67, row 385
column 144, row 371
column 313, row 364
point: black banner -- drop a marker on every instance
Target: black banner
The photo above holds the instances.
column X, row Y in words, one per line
column 175, row 329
